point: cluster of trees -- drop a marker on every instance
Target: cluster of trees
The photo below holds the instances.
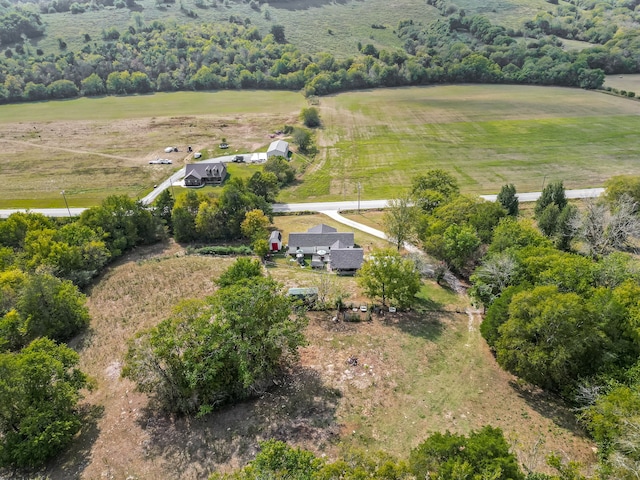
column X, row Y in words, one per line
column 483, row 454
column 562, row 299
column 16, row 21
column 166, row 57
column 242, row 209
column 450, row 226
column 43, row 262
column 223, row 349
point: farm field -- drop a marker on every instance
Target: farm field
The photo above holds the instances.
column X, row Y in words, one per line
column 93, row 148
column 417, row 373
column 485, row 135
column 628, row 82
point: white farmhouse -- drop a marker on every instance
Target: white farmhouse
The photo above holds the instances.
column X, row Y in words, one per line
column 278, row 148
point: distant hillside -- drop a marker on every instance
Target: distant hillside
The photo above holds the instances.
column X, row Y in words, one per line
column 60, row 49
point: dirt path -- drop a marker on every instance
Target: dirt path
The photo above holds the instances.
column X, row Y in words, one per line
column 70, row 150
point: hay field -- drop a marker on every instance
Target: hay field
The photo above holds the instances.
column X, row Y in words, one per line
column 486, row 135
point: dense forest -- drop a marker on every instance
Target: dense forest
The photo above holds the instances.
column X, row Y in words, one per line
column 164, row 56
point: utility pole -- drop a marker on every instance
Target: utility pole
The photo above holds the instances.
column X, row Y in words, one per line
column 544, row 180
column 65, row 202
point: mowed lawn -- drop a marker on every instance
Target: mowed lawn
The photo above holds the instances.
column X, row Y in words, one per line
column 486, row 135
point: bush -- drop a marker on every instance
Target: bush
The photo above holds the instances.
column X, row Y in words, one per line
column 221, row 250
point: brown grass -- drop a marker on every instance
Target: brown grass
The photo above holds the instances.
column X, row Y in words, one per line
column 417, row 373
column 91, row 159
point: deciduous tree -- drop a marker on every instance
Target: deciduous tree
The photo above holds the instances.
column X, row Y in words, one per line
column 400, row 221
column 388, row 276
column 39, row 393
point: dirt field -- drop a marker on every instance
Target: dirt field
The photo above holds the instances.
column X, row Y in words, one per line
column 416, row 373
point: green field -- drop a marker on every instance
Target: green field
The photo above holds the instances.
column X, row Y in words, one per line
column 157, row 105
column 485, row 135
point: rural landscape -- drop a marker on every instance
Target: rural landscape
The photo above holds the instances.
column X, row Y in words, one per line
column 289, row 240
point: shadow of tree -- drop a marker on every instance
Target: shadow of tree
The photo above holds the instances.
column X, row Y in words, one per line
column 418, row 324
column 549, row 406
column 73, row 461
column 299, row 409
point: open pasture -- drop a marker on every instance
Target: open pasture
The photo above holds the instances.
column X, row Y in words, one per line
column 96, row 147
column 486, row 135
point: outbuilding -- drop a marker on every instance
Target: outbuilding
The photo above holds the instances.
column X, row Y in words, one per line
column 278, row 148
column 275, row 241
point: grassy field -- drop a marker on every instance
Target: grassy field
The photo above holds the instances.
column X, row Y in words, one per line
column 92, row 148
column 628, row 82
column 485, row 135
column 417, row 373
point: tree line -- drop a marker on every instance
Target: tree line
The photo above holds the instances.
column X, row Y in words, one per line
column 157, row 56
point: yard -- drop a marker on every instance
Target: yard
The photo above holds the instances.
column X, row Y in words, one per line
column 417, row 372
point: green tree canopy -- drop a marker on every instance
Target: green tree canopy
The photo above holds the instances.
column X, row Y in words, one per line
column 386, row 275
column 550, row 338
column 508, row 199
column 483, row 454
column 224, row 349
column 39, row 393
column 433, row 188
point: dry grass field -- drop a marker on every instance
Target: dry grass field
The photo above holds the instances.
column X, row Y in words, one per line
column 102, row 147
column 417, row 373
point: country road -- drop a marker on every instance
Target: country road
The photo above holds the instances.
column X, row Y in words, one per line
column 298, row 207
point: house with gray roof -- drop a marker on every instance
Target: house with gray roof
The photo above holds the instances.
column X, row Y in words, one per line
column 321, row 242
column 201, row 174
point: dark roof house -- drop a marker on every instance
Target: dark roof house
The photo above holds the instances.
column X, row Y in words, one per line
column 318, row 238
column 200, row 174
column 346, row 259
column 327, row 246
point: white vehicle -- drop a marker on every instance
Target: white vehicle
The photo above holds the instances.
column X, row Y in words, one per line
column 157, row 161
column 166, row 161
column 197, row 155
column 363, row 308
column 392, row 309
column 168, row 150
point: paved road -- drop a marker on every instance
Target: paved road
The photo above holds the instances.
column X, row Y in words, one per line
column 296, row 207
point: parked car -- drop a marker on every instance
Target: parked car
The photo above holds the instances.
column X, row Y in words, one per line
column 168, row 150
column 155, row 162
column 166, row 161
column 224, row 145
column 238, row 159
column 363, row 308
column 197, row 155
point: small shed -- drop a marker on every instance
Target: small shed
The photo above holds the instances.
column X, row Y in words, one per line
column 275, row 241
column 306, row 294
column 278, row 148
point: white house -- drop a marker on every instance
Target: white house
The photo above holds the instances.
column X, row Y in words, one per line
column 278, row 148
